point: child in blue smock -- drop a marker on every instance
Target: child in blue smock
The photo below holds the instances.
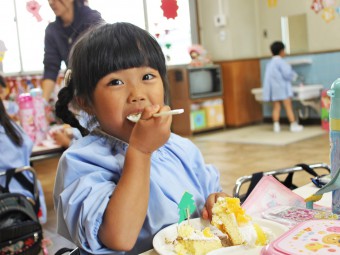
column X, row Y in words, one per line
column 277, row 87
column 15, row 151
column 121, row 183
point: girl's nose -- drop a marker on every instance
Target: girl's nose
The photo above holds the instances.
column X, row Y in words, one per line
column 136, row 96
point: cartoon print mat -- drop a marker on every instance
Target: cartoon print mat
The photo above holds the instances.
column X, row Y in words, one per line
column 311, row 237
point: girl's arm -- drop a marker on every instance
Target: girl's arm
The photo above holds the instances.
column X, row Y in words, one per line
column 127, row 208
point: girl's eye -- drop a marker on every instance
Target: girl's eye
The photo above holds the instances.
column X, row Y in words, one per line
column 115, row 82
column 148, row 76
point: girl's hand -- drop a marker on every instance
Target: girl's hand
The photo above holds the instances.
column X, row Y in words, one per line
column 150, row 133
column 211, row 200
column 61, row 138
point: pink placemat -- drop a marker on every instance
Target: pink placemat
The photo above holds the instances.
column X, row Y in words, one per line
column 269, row 193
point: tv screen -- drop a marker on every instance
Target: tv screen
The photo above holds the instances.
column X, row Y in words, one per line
column 201, row 81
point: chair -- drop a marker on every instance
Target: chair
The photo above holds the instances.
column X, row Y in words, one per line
column 69, row 251
column 288, row 173
column 17, row 173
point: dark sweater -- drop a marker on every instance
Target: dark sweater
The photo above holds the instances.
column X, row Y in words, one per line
column 59, row 39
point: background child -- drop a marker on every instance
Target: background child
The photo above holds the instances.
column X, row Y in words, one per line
column 15, row 150
column 122, row 182
column 11, row 107
column 277, row 87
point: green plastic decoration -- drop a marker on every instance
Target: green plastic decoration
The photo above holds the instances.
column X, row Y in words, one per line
column 186, row 206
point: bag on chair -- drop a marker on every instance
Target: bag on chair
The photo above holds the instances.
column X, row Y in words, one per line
column 20, row 229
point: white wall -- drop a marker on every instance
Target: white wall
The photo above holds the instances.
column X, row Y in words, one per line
column 247, row 20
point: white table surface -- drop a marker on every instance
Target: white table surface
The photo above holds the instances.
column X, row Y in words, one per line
column 303, row 191
column 309, row 189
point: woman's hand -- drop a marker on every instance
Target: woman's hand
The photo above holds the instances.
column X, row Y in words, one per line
column 211, row 200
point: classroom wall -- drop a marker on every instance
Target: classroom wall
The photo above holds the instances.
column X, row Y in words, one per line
column 324, row 69
column 247, row 20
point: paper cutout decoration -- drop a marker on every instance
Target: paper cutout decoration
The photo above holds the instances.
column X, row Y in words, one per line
column 328, row 3
column 186, row 206
column 337, row 10
column 328, row 14
column 272, row 3
column 34, row 7
column 317, row 6
column 169, row 8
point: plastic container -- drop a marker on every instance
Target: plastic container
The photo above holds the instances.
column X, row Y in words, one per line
column 26, row 114
column 319, row 237
column 40, row 121
column 334, row 138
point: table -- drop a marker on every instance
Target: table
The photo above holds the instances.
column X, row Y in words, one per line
column 309, row 189
column 303, row 191
column 41, row 152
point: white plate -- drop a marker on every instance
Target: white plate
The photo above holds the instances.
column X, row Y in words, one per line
column 170, row 233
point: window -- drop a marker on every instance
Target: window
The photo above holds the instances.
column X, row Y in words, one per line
column 23, row 35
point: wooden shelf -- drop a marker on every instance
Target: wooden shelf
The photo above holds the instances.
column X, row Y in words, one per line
column 180, row 98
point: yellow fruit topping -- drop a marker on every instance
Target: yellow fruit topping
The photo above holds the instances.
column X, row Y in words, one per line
column 261, row 236
column 233, row 206
column 207, row 232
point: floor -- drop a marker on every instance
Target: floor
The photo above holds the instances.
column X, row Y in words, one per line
column 232, row 159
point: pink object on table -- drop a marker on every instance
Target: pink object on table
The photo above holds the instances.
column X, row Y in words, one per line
column 307, row 238
column 40, row 121
column 269, row 193
column 26, row 114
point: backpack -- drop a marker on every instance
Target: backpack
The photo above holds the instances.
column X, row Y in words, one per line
column 20, row 229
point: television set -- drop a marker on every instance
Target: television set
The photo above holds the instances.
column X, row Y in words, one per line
column 204, row 81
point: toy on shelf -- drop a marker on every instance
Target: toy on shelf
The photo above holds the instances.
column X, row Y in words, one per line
column 199, row 56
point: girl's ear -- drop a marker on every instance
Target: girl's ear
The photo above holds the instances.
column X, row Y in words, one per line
column 84, row 105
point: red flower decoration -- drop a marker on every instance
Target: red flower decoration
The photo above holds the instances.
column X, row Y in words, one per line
column 317, row 5
column 169, row 8
column 29, row 242
column 34, row 7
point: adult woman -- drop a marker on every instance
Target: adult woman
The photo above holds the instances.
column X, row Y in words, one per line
column 73, row 17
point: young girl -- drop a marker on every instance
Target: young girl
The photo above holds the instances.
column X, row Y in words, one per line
column 122, row 182
column 277, row 87
column 15, row 151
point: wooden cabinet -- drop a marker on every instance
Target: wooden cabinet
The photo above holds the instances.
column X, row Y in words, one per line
column 240, row 106
column 203, row 110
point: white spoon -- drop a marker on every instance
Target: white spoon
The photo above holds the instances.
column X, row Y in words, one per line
column 135, row 117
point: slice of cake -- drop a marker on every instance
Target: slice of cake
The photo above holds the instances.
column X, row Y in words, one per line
column 191, row 241
column 230, row 218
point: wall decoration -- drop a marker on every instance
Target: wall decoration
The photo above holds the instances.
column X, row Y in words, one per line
column 34, row 7
column 3, row 49
column 337, row 10
column 328, row 14
column 169, row 8
column 272, row 3
column 317, row 6
column 328, row 3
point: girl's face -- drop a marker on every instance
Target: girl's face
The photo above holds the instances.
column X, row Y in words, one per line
column 60, row 7
column 125, row 92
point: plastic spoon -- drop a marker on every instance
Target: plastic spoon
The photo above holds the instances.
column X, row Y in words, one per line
column 135, row 117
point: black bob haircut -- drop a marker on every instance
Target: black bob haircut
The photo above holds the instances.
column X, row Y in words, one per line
column 112, row 47
column 276, row 47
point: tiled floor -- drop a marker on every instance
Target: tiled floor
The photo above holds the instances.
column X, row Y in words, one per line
column 232, row 159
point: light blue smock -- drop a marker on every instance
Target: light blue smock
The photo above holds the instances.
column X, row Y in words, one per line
column 13, row 156
column 90, row 169
column 277, row 80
